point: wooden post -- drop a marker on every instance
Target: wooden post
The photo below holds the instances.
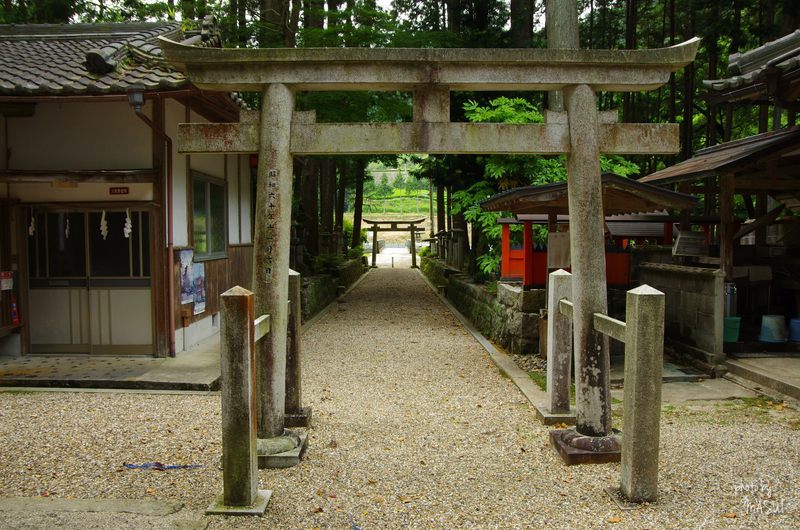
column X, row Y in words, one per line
column 239, row 464
column 527, row 255
column 296, row 414
column 505, row 251
column 726, row 226
column 644, row 357
column 374, row 245
column 559, row 342
column 413, row 247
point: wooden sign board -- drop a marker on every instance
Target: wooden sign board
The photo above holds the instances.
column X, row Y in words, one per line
column 690, row 244
column 558, row 256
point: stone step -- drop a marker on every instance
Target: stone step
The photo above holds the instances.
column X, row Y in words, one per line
column 764, row 377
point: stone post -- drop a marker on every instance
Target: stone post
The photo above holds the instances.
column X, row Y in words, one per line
column 559, row 343
column 587, row 250
column 271, row 253
column 374, row 245
column 413, row 247
column 239, row 464
column 296, row 415
column 644, row 358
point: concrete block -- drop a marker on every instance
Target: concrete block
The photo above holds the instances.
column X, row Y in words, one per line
column 282, row 460
column 509, row 294
column 218, row 507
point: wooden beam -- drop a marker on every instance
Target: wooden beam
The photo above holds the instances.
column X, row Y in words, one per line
column 726, row 225
column 103, row 175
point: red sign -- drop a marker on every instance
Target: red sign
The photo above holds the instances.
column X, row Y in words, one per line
column 119, row 190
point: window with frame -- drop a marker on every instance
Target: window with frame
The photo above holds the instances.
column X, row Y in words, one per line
column 209, row 217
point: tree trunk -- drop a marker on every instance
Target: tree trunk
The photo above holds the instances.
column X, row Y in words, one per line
column 688, row 98
column 339, row 214
column 242, row 32
column 310, row 198
column 290, row 35
column 313, row 13
column 453, row 15
column 327, row 191
column 359, row 202
column 273, row 18
column 521, row 23
column 441, row 212
column 631, row 20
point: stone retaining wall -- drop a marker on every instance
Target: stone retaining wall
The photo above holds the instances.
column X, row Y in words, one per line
column 694, row 307
column 510, row 317
column 320, row 290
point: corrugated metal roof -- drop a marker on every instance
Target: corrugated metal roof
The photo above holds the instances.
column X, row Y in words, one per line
column 77, row 59
column 725, row 157
column 620, row 196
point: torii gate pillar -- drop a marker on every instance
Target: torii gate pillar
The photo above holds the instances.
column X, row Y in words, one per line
column 271, row 265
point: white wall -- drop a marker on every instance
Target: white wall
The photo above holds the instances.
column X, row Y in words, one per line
column 80, row 135
column 174, row 113
column 246, row 192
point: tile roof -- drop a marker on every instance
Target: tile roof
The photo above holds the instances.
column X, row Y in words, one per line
column 78, row 59
column 620, row 196
column 782, row 54
column 726, row 157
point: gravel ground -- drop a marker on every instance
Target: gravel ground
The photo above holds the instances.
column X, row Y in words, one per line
column 413, row 426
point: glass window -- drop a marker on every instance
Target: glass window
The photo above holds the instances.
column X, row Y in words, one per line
column 210, row 219
column 110, row 256
column 66, row 245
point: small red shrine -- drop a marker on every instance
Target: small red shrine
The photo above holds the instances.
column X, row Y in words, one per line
column 634, row 212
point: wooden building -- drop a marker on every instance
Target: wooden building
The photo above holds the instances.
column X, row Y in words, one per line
column 96, row 205
column 752, row 198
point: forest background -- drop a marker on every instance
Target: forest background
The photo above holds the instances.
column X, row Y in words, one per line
column 725, row 26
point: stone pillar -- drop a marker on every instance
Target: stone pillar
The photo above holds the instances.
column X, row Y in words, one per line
column 296, row 415
column 559, row 342
column 644, row 357
column 413, row 247
column 271, row 253
column 587, row 250
column 239, row 463
column 374, row 245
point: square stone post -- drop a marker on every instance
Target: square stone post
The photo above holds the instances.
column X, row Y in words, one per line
column 587, row 250
column 644, row 358
column 413, row 247
column 271, row 253
column 559, row 343
column 241, row 495
column 296, row 415
column 374, row 245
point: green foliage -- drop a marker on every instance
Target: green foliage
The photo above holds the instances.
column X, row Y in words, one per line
column 327, row 262
column 355, row 252
column 424, row 251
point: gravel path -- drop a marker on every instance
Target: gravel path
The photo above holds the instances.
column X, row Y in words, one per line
column 413, row 426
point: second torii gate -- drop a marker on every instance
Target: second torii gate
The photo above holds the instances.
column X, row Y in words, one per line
column 278, row 133
column 394, row 226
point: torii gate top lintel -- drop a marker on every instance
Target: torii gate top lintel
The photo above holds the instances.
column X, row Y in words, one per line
column 405, row 68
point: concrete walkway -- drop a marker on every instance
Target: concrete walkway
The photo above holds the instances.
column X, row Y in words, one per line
column 195, row 369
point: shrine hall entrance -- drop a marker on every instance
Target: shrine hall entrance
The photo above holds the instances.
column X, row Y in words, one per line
column 89, row 281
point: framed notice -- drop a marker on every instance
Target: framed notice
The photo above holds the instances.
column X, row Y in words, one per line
column 6, row 280
column 187, row 276
column 199, row 278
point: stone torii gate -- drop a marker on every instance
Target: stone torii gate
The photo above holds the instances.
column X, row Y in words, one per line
column 392, row 226
column 277, row 133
